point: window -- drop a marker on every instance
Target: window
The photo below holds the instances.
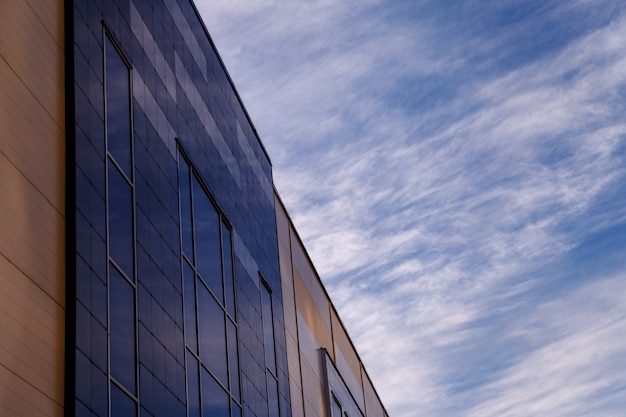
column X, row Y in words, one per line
column 121, row 234
column 213, row 385
column 270, row 350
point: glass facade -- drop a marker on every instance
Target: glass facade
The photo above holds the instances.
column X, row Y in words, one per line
column 175, row 224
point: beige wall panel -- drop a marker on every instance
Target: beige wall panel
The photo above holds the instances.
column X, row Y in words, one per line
column 293, row 359
column 309, row 276
column 295, row 390
column 341, row 339
column 33, row 236
column 289, row 306
column 311, row 315
column 32, row 92
column 32, row 337
column 354, row 384
column 373, row 406
column 31, row 41
column 32, row 225
column 313, row 388
column 19, row 399
column 31, row 137
column 282, row 222
column 309, row 348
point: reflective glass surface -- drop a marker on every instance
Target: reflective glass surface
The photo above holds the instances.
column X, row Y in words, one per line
column 120, row 221
column 185, row 208
column 233, row 358
column 118, row 108
column 272, row 395
column 229, row 282
column 215, row 401
column 121, row 404
column 268, row 329
column 235, row 409
column 212, row 334
column 156, row 57
column 122, row 317
column 207, row 234
column 193, row 387
column 191, row 331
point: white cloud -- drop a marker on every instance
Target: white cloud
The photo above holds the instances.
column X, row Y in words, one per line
column 438, row 220
column 578, row 365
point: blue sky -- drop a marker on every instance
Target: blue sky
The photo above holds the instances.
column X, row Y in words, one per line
column 457, row 171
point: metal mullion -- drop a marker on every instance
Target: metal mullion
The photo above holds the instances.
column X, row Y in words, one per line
column 106, row 203
column 125, row 390
column 202, row 364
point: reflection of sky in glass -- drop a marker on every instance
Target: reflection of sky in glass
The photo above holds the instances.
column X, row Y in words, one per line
column 122, row 316
column 268, row 329
column 191, row 331
column 215, row 401
column 272, row 394
column 185, row 209
column 229, row 283
column 118, row 108
column 212, row 334
column 121, row 404
column 233, row 359
column 193, row 387
column 206, row 222
column 120, row 221
column 236, row 409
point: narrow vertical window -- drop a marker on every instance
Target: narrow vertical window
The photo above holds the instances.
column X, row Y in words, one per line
column 121, row 404
column 122, row 323
column 189, row 286
column 207, row 240
column 121, row 233
column 209, row 301
column 270, row 350
column 215, row 401
column 193, row 386
column 229, row 281
column 117, row 93
column 212, row 334
column 185, row 209
column 121, row 245
column 233, row 359
column 268, row 329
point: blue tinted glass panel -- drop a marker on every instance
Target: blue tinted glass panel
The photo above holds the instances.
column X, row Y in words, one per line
column 233, row 358
column 212, row 334
column 121, row 404
column 268, row 329
column 272, row 395
column 191, row 332
column 208, row 256
column 122, row 339
column 215, row 401
column 120, row 221
column 185, row 208
column 193, row 387
column 118, row 128
column 236, row 409
column 229, row 282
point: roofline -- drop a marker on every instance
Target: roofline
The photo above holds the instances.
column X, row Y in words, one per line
column 330, row 301
column 230, row 80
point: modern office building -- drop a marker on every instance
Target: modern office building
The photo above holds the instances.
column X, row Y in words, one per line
column 147, row 264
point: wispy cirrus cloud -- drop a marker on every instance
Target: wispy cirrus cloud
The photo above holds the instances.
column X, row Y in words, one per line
column 444, row 167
